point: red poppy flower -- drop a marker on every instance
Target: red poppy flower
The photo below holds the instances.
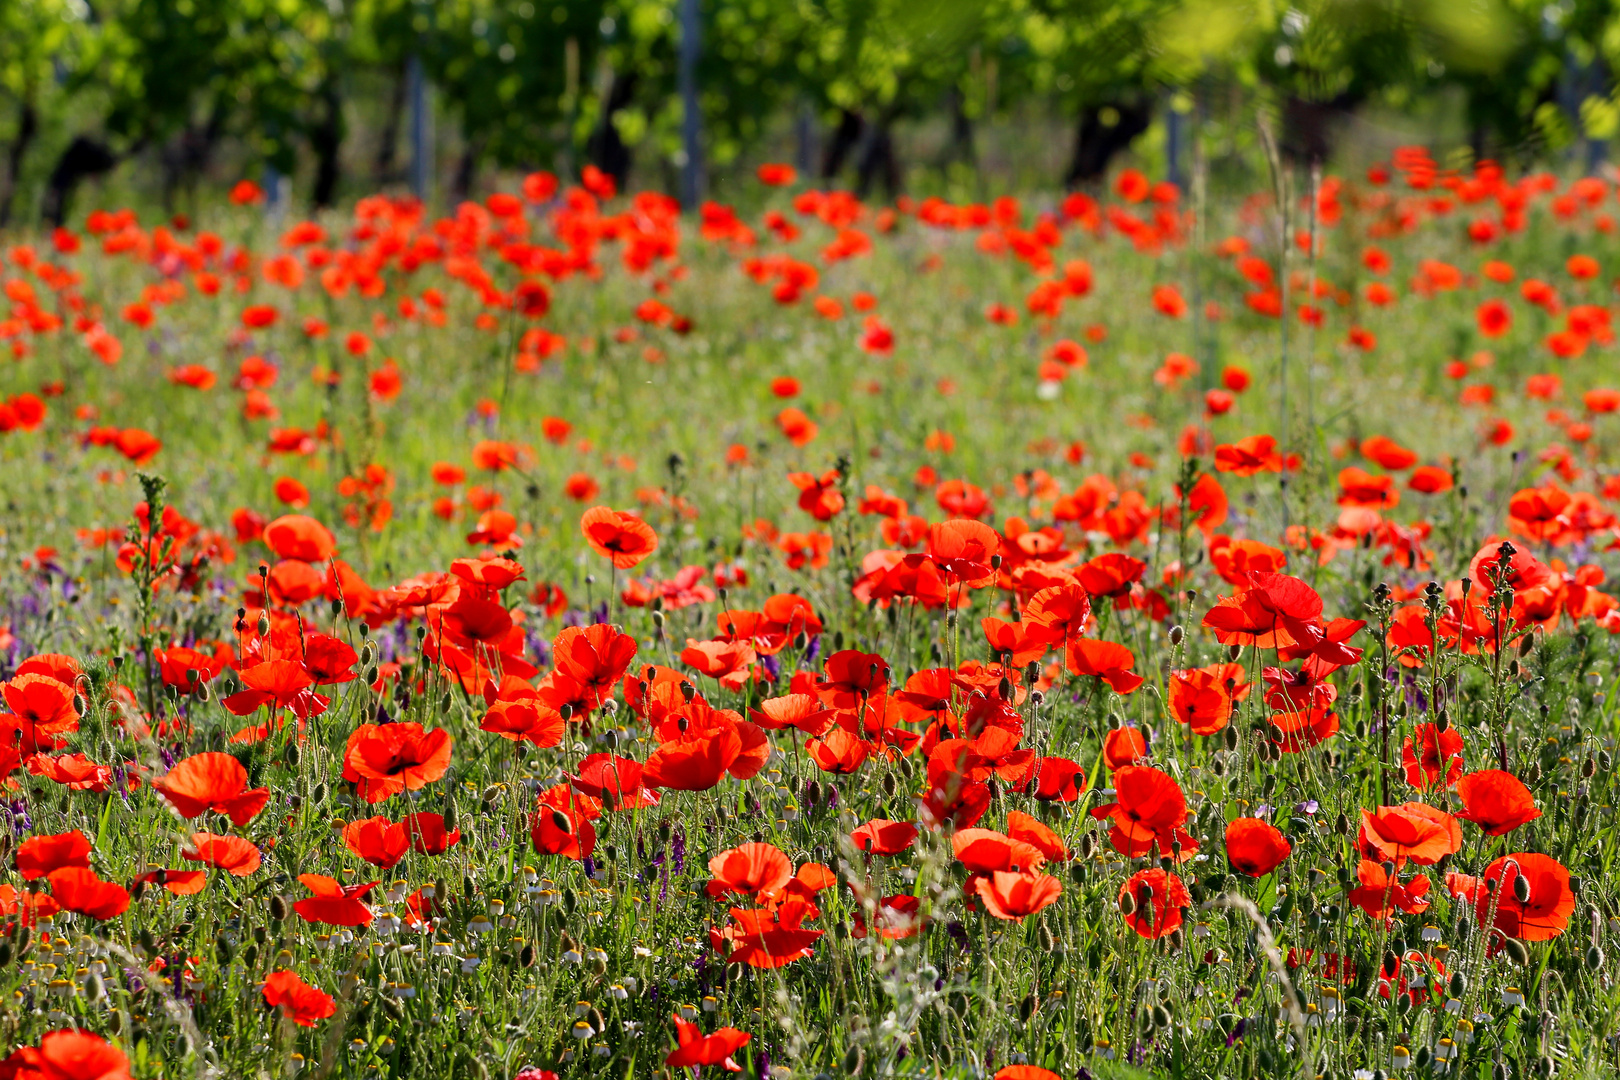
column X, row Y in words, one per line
column 984, row 851
column 851, row 677
column 695, row 1049
column 1063, row 609
column 1544, row 915
column 561, row 823
column 1248, row 456
column 68, row 1054
column 896, row 918
column 1199, row 697
column 838, row 751
column 1410, row 831
column 755, row 871
column 1380, row 894
column 618, row 535
column 1298, row 731
column 1157, row 900
column 1429, row 480
column 38, row 856
column 963, row 548
column 1255, row 847
column 376, row 840
column 1105, row 660
column 615, row 782
column 880, row 836
column 45, row 705
column 1435, row 757
column 211, row 781
column 384, row 759
column 1057, row 779
column 235, row 854
column 1027, row 830
column 699, row 762
column 1110, row 575
column 298, row 1001
column 596, row 657
column 819, row 496
column 1149, row 809
column 1025, row 1072
column 1011, row 896
column 77, row 888
column 297, row 536
column 1496, row 801
column 178, row 882
column 334, row 904
column 1124, row 746
column 73, row 771
column 771, row 938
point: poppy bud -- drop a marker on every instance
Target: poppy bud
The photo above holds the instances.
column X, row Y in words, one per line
column 223, row 948
column 278, row 909
column 1516, row 951
column 1161, row 1016
column 147, row 942
column 5, row 953
column 1588, row 768
column 25, row 940
column 95, row 988
column 802, row 641
column 293, row 755
column 1077, row 873
column 1341, row 824
column 1230, row 737
column 1459, row 984
column 452, row 816
column 204, row 694
column 1127, row 904
column 1176, row 634
column 854, row 1061
column 1233, row 652
column 264, row 625
column 1521, row 889
column 318, row 795
column 1004, row 688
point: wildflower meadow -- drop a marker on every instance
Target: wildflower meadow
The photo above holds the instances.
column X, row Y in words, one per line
column 1144, row 632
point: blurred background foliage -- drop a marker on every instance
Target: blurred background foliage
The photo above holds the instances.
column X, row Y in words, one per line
column 331, row 99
